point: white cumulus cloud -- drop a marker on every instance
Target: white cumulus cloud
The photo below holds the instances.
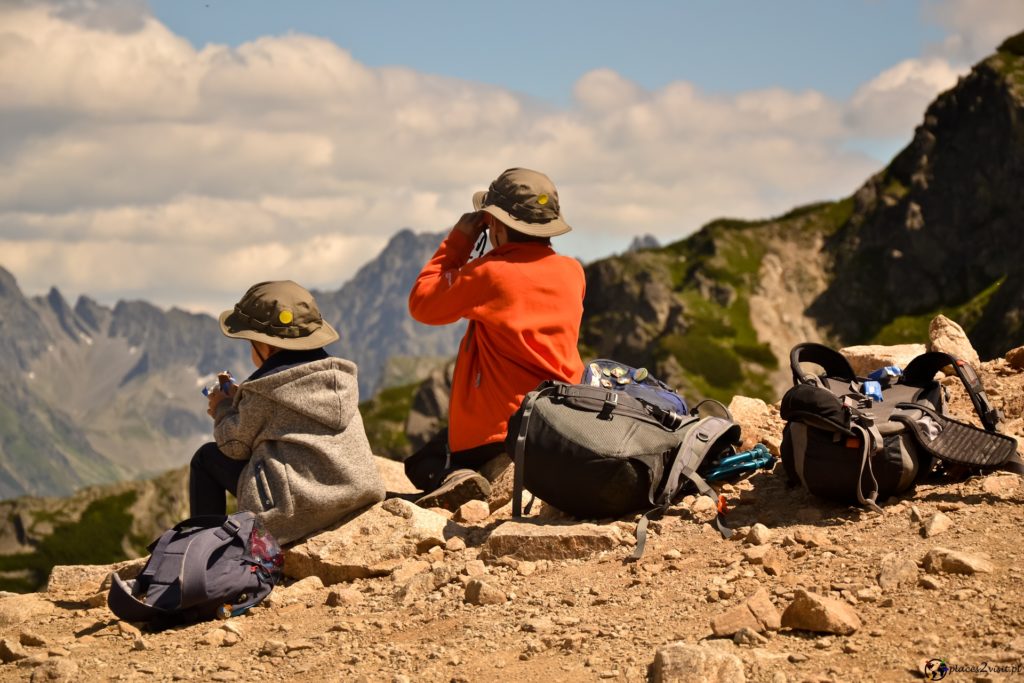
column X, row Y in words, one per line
column 133, row 164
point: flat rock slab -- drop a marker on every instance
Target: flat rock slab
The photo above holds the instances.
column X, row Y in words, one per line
column 76, row 581
column 687, row 663
column 811, row 612
column 945, row 561
column 525, row 541
column 372, row 544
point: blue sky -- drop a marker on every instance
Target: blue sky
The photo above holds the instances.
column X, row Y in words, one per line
column 292, row 140
column 542, row 48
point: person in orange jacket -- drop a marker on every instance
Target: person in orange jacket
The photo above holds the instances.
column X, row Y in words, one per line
column 524, row 304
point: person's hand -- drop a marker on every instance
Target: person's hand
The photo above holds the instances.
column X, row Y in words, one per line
column 217, row 395
column 471, row 224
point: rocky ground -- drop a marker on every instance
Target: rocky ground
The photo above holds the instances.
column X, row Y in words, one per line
column 805, row 591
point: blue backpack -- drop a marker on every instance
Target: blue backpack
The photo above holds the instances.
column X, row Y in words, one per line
column 206, row 567
column 637, row 382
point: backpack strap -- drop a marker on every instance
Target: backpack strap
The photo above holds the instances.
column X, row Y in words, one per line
column 196, row 560
column 872, row 439
column 834, row 363
column 519, row 450
column 699, row 440
column 920, row 371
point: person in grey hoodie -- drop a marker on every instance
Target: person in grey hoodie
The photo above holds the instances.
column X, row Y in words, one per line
column 289, row 440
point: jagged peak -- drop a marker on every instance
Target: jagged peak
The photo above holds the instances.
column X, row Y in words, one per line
column 8, row 284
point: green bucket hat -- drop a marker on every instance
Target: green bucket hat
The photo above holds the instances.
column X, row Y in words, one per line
column 524, row 200
column 282, row 314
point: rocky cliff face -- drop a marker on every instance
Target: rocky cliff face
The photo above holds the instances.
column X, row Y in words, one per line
column 938, row 229
column 934, row 232
column 371, row 314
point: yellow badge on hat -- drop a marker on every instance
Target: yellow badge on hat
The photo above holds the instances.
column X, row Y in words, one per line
column 542, row 200
column 285, row 317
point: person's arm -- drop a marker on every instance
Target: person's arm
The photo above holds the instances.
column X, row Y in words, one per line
column 445, row 290
column 235, row 428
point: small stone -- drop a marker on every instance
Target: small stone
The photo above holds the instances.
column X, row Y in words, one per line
column 526, row 568
column 935, row 525
column 409, row 569
column 811, row 538
column 339, row 597
column 932, row 583
column 916, row 515
column 942, row 560
column 273, row 648
column 230, row 638
column 484, row 593
column 702, row 506
column 214, row 638
column 896, row 572
column 759, row 535
column 56, row 669
column 756, row 554
column 775, row 562
column 1015, row 358
column 29, row 639
column 126, row 630
column 748, row 636
column 140, row 644
column 11, row 651
column 299, row 645
column 475, row 568
column 810, row 612
column 455, row 544
column 474, row 511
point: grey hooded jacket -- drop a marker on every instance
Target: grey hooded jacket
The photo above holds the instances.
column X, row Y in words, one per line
column 310, row 463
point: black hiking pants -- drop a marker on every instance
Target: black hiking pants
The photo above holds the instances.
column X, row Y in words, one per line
column 427, row 467
column 211, row 476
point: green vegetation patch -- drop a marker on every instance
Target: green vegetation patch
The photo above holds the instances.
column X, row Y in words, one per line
column 384, row 418
column 913, row 329
column 96, row 538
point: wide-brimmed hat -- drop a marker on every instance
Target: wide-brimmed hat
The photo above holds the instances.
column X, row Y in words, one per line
column 524, row 200
column 282, row 314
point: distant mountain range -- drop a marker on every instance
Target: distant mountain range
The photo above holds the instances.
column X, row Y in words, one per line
column 97, row 394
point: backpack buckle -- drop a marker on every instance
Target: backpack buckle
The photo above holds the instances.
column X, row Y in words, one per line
column 231, row 526
column 611, row 399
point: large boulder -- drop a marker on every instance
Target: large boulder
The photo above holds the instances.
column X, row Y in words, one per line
column 867, row 359
column 947, row 336
column 374, row 543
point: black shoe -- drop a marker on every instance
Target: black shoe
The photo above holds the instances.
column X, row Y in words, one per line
column 459, row 487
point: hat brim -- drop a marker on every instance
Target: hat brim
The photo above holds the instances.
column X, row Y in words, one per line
column 230, row 326
column 549, row 229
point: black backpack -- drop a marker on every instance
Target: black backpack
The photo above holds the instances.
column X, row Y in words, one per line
column 843, row 445
column 597, row 453
column 205, row 567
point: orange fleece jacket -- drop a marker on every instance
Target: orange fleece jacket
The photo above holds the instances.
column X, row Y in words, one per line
column 524, row 303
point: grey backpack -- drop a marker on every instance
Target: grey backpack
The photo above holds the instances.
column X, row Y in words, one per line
column 205, row 567
column 598, row 453
column 849, row 442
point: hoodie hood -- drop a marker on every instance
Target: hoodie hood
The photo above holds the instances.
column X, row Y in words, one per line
column 324, row 390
